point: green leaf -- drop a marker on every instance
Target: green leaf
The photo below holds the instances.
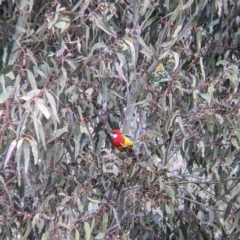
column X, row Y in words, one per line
column 122, row 59
column 34, row 149
column 10, row 152
column 87, row 231
column 26, row 150
column 28, row 230
column 120, row 71
column 93, row 223
column 205, row 96
column 5, row 186
column 165, row 44
column 177, row 30
column 149, row 22
column 94, row 200
column 21, row 126
column 63, row 79
column 31, row 56
column 96, row 46
column 228, row 209
column 115, row 93
column 61, row 49
column 45, row 236
column 170, row 193
column 144, row 45
column 41, row 106
column 235, row 143
column 202, row 68
column 6, row 94
column 187, row 5
column 128, row 41
column 236, row 221
column 18, row 158
column 170, row 121
column 116, row 216
column 31, row 79
column 100, row 236
column 104, row 27
column 31, row 95
column 41, row 133
column 146, row 4
column 62, row 25
column 53, row 105
column 77, row 235
column 105, row 219
column 35, row 126
column 58, row 133
column 168, row 210
column 235, row 192
column 176, row 58
column 180, row 122
column 222, row 62
column 199, row 169
column 41, row 73
column 89, row 92
column 6, row 70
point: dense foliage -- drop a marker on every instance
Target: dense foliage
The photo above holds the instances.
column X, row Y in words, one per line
column 71, row 71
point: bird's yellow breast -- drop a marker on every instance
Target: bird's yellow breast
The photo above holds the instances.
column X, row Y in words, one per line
column 126, row 144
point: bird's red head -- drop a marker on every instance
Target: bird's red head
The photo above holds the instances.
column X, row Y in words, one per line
column 117, row 137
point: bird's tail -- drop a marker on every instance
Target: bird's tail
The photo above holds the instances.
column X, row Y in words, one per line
column 131, row 153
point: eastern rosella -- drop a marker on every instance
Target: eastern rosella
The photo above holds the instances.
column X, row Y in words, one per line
column 121, row 142
column 160, row 75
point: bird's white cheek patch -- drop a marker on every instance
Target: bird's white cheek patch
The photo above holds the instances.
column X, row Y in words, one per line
column 113, row 135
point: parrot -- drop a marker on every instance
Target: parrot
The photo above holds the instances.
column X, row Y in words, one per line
column 122, row 142
column 160, row 75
